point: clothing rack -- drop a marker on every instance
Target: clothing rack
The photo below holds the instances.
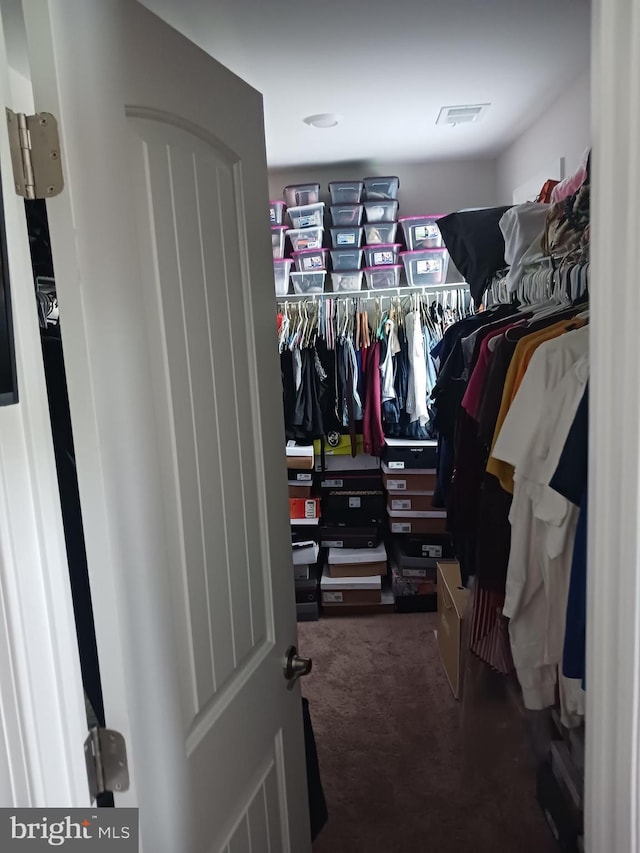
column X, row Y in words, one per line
column 381, row 291
column 550, row 280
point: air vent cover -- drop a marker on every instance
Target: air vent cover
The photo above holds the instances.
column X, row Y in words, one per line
column 465, row 114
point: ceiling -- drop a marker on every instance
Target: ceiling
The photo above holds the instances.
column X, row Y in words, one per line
column 388, row 66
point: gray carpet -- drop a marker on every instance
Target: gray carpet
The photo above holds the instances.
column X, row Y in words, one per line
column 406, row 768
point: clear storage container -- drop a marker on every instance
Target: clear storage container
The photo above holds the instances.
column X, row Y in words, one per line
column 385, row 276
column 380, row 188
column 307, row 215
column 308, row 282
column 422, row 232
column 344, row 215
column 346, row 192
column 278, row 233
column 346, row 259
column 297, row 194
column 346, row 280
column 385, row 210
column 305, row 238
column 383, row 253
column 345, row 238
column 380, row 232
column 281, row 270
column 276, row 212
column 426, row 266
column 311, row 259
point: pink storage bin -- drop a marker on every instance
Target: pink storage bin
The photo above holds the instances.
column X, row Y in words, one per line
column 309, row 260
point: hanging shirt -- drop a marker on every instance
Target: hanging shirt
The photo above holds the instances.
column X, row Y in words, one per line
column 543, row 522
column 497, row 465
column 417, row 390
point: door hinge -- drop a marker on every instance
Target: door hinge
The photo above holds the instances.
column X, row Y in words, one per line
column 106, row 755
column 35, row 154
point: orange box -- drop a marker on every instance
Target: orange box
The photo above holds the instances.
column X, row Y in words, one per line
column 304, row 507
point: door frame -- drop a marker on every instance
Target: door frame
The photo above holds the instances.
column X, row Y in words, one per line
column 36, row 611
column 43, row 721
column 612, row 782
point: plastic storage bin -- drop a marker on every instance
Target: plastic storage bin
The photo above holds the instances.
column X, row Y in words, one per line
column 385, row 210
column 307, row 216
column 311, row 259
column 345, row 238
column 384, row 276
column 308, row 282
column 297, row 194
column 426, row 266
column 380, row 232
column 346, row 259
column 383, row 253
column 278, row 233
column 346, row 192
column 346, row 280
column 422, row 232
column 380, row 188
column 345, row 215
column 276, row 212
column 305, row 238
column 281, row 270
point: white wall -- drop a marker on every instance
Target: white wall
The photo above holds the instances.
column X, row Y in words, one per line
column 563, row 131
column 424, row 187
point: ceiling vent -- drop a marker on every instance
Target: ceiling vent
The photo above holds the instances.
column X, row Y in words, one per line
column 466, row 114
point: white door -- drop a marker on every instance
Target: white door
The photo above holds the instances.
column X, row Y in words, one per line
column 163, row 270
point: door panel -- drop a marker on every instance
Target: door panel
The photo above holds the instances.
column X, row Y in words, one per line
column 163, row 268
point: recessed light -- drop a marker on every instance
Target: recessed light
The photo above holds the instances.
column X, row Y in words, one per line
column 322, row 120
column 464, row 114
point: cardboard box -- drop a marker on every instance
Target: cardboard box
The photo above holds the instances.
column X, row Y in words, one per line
column 402, row 453
column 417, row 480
column 304, row 508
column 358, row 508
column 357, row 562
column 300, row 476
column 367, row 590
column 432, row 521
column 338, row 536
column 341, row 463
column 351, row 482
column 410, row 501
column 300, row 457
column 452, row 607
column 299, row 491
column 308, row 612
column 431, row 546
column 340, row 445
column 385, row 605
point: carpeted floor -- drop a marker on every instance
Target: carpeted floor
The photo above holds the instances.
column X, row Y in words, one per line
column 406, row 768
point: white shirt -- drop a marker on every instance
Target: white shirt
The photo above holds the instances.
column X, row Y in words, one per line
column 543, row 522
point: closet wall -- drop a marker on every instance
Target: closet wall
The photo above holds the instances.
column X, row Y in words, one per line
column 562, row 131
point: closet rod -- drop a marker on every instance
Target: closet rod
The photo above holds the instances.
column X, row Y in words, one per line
column 380, row 291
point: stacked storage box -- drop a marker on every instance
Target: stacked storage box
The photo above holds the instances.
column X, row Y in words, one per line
column 426, row 260
column 353, row 529
column 281, row 265
column 346, row 213
column 304, row 515
column 382, row 265
column 306, row 235
column 418, row 531
column 307, row 578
